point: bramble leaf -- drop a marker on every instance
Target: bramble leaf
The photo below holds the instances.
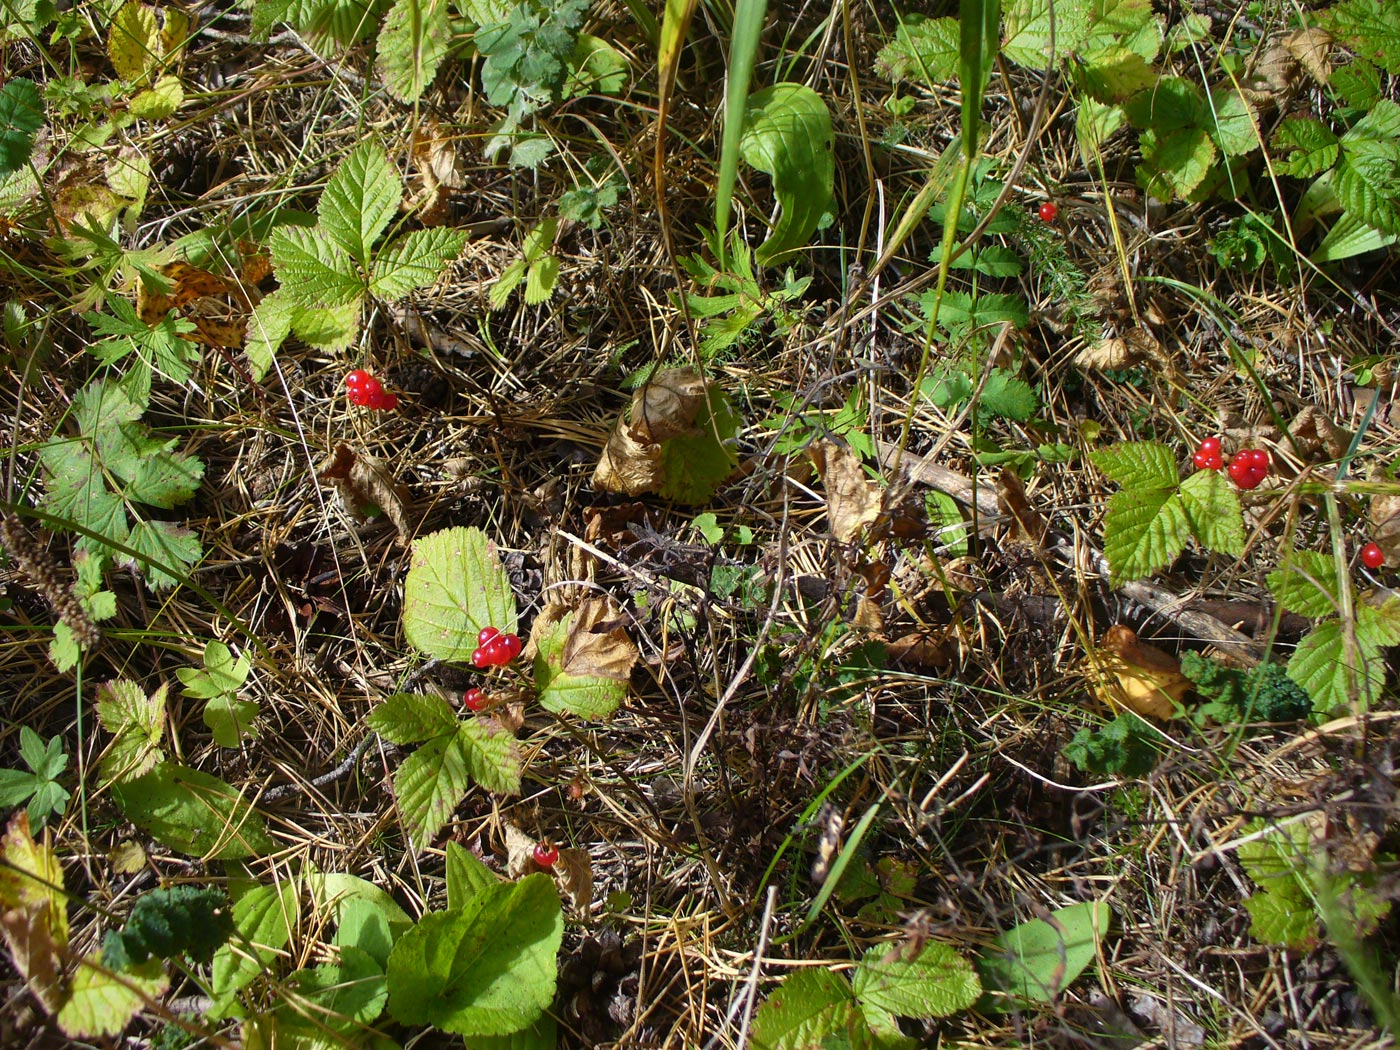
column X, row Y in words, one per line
column 268, row 327
column 1144, row 530
column 922, row 48
column 21, row 114
column 1371, row 28
column 455, row 586
column 358, row 202
column 1306, row 584
column 137, row 722
column 938, row 982
column 312, row 269
column 415, row 261
column 1311, row 146
column 810, row 1007
column 1213, row 510
column 412, row 44
column 410, row 718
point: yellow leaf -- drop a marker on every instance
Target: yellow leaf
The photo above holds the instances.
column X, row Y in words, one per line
column 102, row 1003
column 133, row 42
column 1132, row 674
column 30, row 877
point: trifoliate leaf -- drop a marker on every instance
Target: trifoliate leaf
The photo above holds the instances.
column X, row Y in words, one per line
column 808, row 1008
column 312, row 269
column 222, row 673
column 923, row 49
column 415, row 261
column 1213, row 510
column 329, row 328
column 1323, row 665
column 358, row 202
column 492, row 757
column 412, row 44
column 137, row 722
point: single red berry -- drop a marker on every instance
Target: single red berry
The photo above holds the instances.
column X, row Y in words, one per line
column 475, row 699
column 1372, row 556
column 1214, row 462
column 546, row 855
column 1259, row 458
column 1049, row 211
column 481, row 658
column 1210, row 446
column 389, row 402
column 511, row 646
column 358, row 378
column 1201, row 460
column 485, row 635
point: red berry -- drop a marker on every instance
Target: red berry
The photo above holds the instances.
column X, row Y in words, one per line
column 511, row 646
column 475, row 699
column 546, row 855
column 390, row 402
column 1372, row 556
column 1259, row 458
column 485, row 635
column 481, row 658
column 1049, row 211
column 1210, row 446
column 358, row 378
column 1201, row 460
column 1214, row 462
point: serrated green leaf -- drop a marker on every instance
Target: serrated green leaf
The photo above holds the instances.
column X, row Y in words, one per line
column 268, row 327
column 1144, row 530
column 1278, row 919
column 1306, row 583
column 938, row 982
column 194, row 813
column 506, row 283
column 330, row 328
column 1116, row 74
column 21, row 114
column 492, row 757
column 1370, row 28
column 415, row 261
column 428, row 786
column 230, row 720
column 312, row 270
column 694, row 465
column 1310, row 145
column 1039, row 959
column 488, row 968
column 923, row 48
column 412, row 44
column 343, row 997
column 540, row 279
column 808, row 1007
column 1175, row 162
column 358, row 202
column 1139, row 465
column 455, row 586
column 162, row 547
column 1172, row 104
column 1324, row 667
column 410, row 718
column 133, row 42
column 1213, row 510
column 159, row 101
column 1368, row 185
column 1009, row 396
column 161, row 478
column 584, row 696
column 137, row 722
column 788, row 135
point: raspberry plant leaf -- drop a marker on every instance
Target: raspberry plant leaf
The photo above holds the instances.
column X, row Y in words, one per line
column 312, row 268
column 1306, row 584
column 412, row 44
column 938, row 982
column 415, row 261
column 811, row 1008
column 411, row 718
column 1213, row 511
column 358, row 202
column 137, row 721
column 485, row 969
column 455, row 587
column 582, row 664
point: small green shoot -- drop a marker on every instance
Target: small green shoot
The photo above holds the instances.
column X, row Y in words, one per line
column 229, row 718
column 37, row 789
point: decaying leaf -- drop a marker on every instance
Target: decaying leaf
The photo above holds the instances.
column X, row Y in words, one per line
column 868, row 617
column 1011, row 496
column 854, row 500
column 364, row 482
column 573, row 873
column 1134, row 347
column 36, row 955
column 1317, row 437
column 520, row 852
column 1312, row 47
column 627, row 465
column 597, row 645
column 633, row 461
column 1384, row 513
column 434, row 157
column 1146, row 680
column 920, row 649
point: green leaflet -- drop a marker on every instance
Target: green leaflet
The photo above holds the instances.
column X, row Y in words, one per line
column 788, row 135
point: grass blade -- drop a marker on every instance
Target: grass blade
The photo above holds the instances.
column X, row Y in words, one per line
column 743, row 51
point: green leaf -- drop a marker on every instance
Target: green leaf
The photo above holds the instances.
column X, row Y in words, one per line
column 596, row 66
column 1213, row 510
column 1233, row 122
column 508, row 280
column 540, row 280
column 922, row 48
column 466, row 876
column 161, row 547
column 1367, row 176
column 137, row 722
column 100, row 1003
column 1172, row 104
column 337, row 890
column 264, row 916
column 584, row 696
column 222, row 673
column 194, row 813
column 21, row 114
column 268, row 327
column 313, row 270
column 428, row 785
column 788, row 135
column 1276, row 918
column 807, row 1008
column 1039, row 959
column 488, row 968
column 76, row 492
column 364, row 926
column 230, row 720
column 979, row 23
column 329, row 328
column 133, row 41
column 344, row 996
column 1310, row 145
column 492, row 757
column 938, row 982
column 455, row 586
column 1349, row 237
column 159, row 101
column 1093, row 124
column 412, row 44
column 410, row 718
column 168, row 923
column 1139, row 465
column 1115, row 74
column 1175, row 162
column 1324, row 667
column 1371, row 28
column 1007, row 395
column 358, row 202
column 1144, row 530
column 1306, row 583
column 415, row 261
column 17, row 786
column 694, row 464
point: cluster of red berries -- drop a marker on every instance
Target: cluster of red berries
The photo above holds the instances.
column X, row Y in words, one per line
column 1372, row 556
column 364, row 390
column 1048, row 212
column 495, row 649
column 1247, row 468
column 546, row 855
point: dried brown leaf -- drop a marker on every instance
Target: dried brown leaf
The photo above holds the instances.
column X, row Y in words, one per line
column 1011, row 495
column 598, row 645
column 1106, row 354
column 920, row 649
column 520, row 852
column 1317, row 436
column 364, row 481
column 627, row 465
column 854, row 500
column 1136, row 675
column 1384, row 513
column 667, row 406
column 1312, row 47
column 28, row 932
column 573, row 873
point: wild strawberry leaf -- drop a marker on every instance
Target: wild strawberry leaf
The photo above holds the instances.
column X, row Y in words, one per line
column 455, row 586
column 415, row 261
column 358, row 202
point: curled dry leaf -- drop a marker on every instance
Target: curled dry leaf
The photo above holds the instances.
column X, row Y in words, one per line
column 920, row 649
column 854, row 500
column 1312, row 48
column 597, row 645
column 1317, row 437
column 1011, row 496
column 665, row 408
column 868, row 617
column 1134, row 347
column 1384, row 513
column 520, row 852
column 573, row 873
column 1126, row 672
column 364, row 481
